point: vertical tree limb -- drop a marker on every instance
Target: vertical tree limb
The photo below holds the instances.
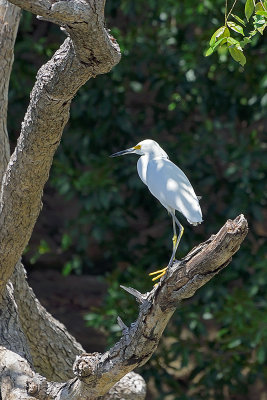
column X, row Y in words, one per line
column 87, row 52
column 9, row 21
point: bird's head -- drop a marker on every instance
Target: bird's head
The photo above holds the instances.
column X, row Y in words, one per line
column 142, row 148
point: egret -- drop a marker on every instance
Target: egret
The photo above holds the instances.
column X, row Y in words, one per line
column 169, row 185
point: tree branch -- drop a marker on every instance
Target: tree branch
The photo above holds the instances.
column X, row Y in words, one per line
column 97, row 373
column 16, row 373
column 9, row 21
column 88, row 51
column 52, row 348
column 11, row 333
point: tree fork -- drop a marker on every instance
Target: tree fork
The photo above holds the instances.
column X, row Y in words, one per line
column 88, row 51
column 96, row 373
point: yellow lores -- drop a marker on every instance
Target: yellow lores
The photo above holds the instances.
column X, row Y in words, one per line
column 169, row 185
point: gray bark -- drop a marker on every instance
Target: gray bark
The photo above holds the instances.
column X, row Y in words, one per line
column 29, row 334
column 15, row 374
column 53, row 349
column 36, row 349
column 96, row 373
column 9, row 21
column 86, row 53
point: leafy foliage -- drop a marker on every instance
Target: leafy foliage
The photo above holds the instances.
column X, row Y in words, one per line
column 221, row 38
column 210, row 116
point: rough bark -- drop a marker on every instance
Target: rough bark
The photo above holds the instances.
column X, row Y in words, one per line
column 15, row 374
column 9, row 21
column 53, row 349
column 96, row 373
column 11, row 333
column 15, row 358
column 87, row 52
column 31, row 339
column 46, row 344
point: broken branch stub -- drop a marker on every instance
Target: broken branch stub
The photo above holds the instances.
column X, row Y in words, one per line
column 139, row 341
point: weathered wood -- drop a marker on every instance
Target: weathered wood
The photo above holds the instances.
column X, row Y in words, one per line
column 9, row 21
column 88, row 51
column 96, row 373
column 27, row 330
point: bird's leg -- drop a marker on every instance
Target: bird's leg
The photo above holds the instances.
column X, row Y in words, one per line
column 174, row 238
column 175, row 241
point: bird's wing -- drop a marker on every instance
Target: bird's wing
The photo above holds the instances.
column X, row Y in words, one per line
column 172, row 188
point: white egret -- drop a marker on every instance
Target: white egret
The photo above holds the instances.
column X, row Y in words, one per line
column 169, row 185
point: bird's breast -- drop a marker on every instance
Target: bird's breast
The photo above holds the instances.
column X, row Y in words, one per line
column 142, row 164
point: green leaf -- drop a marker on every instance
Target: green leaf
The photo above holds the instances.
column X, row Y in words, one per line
column 234, row 343
column 258, row 7
column 238, row 19
column 222, row 332
column 66, row 241
column 235, row 27
column 245, row 41
column 252, row 33
column 261, row 355
column 237, row 55
column 249, row 8
column 67, row 269
column 259, row 20
column 261, row 29
column 209, row 52
column 264, row 13
column 211, row 49
column 232, row 42
column 43, row 247
column 223, row 31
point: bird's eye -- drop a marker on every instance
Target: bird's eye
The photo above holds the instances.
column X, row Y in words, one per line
column 138, row 147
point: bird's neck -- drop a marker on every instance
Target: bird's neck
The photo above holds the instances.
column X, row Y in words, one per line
column 157, row 155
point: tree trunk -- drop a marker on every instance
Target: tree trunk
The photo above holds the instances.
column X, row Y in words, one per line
column 38, row 356
column 9, row 21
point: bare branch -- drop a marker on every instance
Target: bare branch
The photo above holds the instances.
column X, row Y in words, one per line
column 84, row 21
column 64, row 11
column 88, row 51
column 96, row 373
column 9, row 20
column 121, row 324
column 131, row 387
column 15, row 372
column 139, row 296
column 11, row 333
column 53, row 349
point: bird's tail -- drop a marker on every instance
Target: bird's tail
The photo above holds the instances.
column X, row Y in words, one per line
column 195, row 223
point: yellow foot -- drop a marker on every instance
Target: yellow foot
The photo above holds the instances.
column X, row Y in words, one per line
column 160, row 273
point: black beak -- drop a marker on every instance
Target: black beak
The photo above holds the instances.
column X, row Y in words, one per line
column 123, row 152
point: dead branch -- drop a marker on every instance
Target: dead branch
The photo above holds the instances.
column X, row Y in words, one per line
column 97, row 373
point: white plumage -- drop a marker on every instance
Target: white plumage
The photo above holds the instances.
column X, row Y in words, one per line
column 168, row 184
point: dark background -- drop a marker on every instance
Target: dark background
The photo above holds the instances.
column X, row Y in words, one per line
column 100, row 227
